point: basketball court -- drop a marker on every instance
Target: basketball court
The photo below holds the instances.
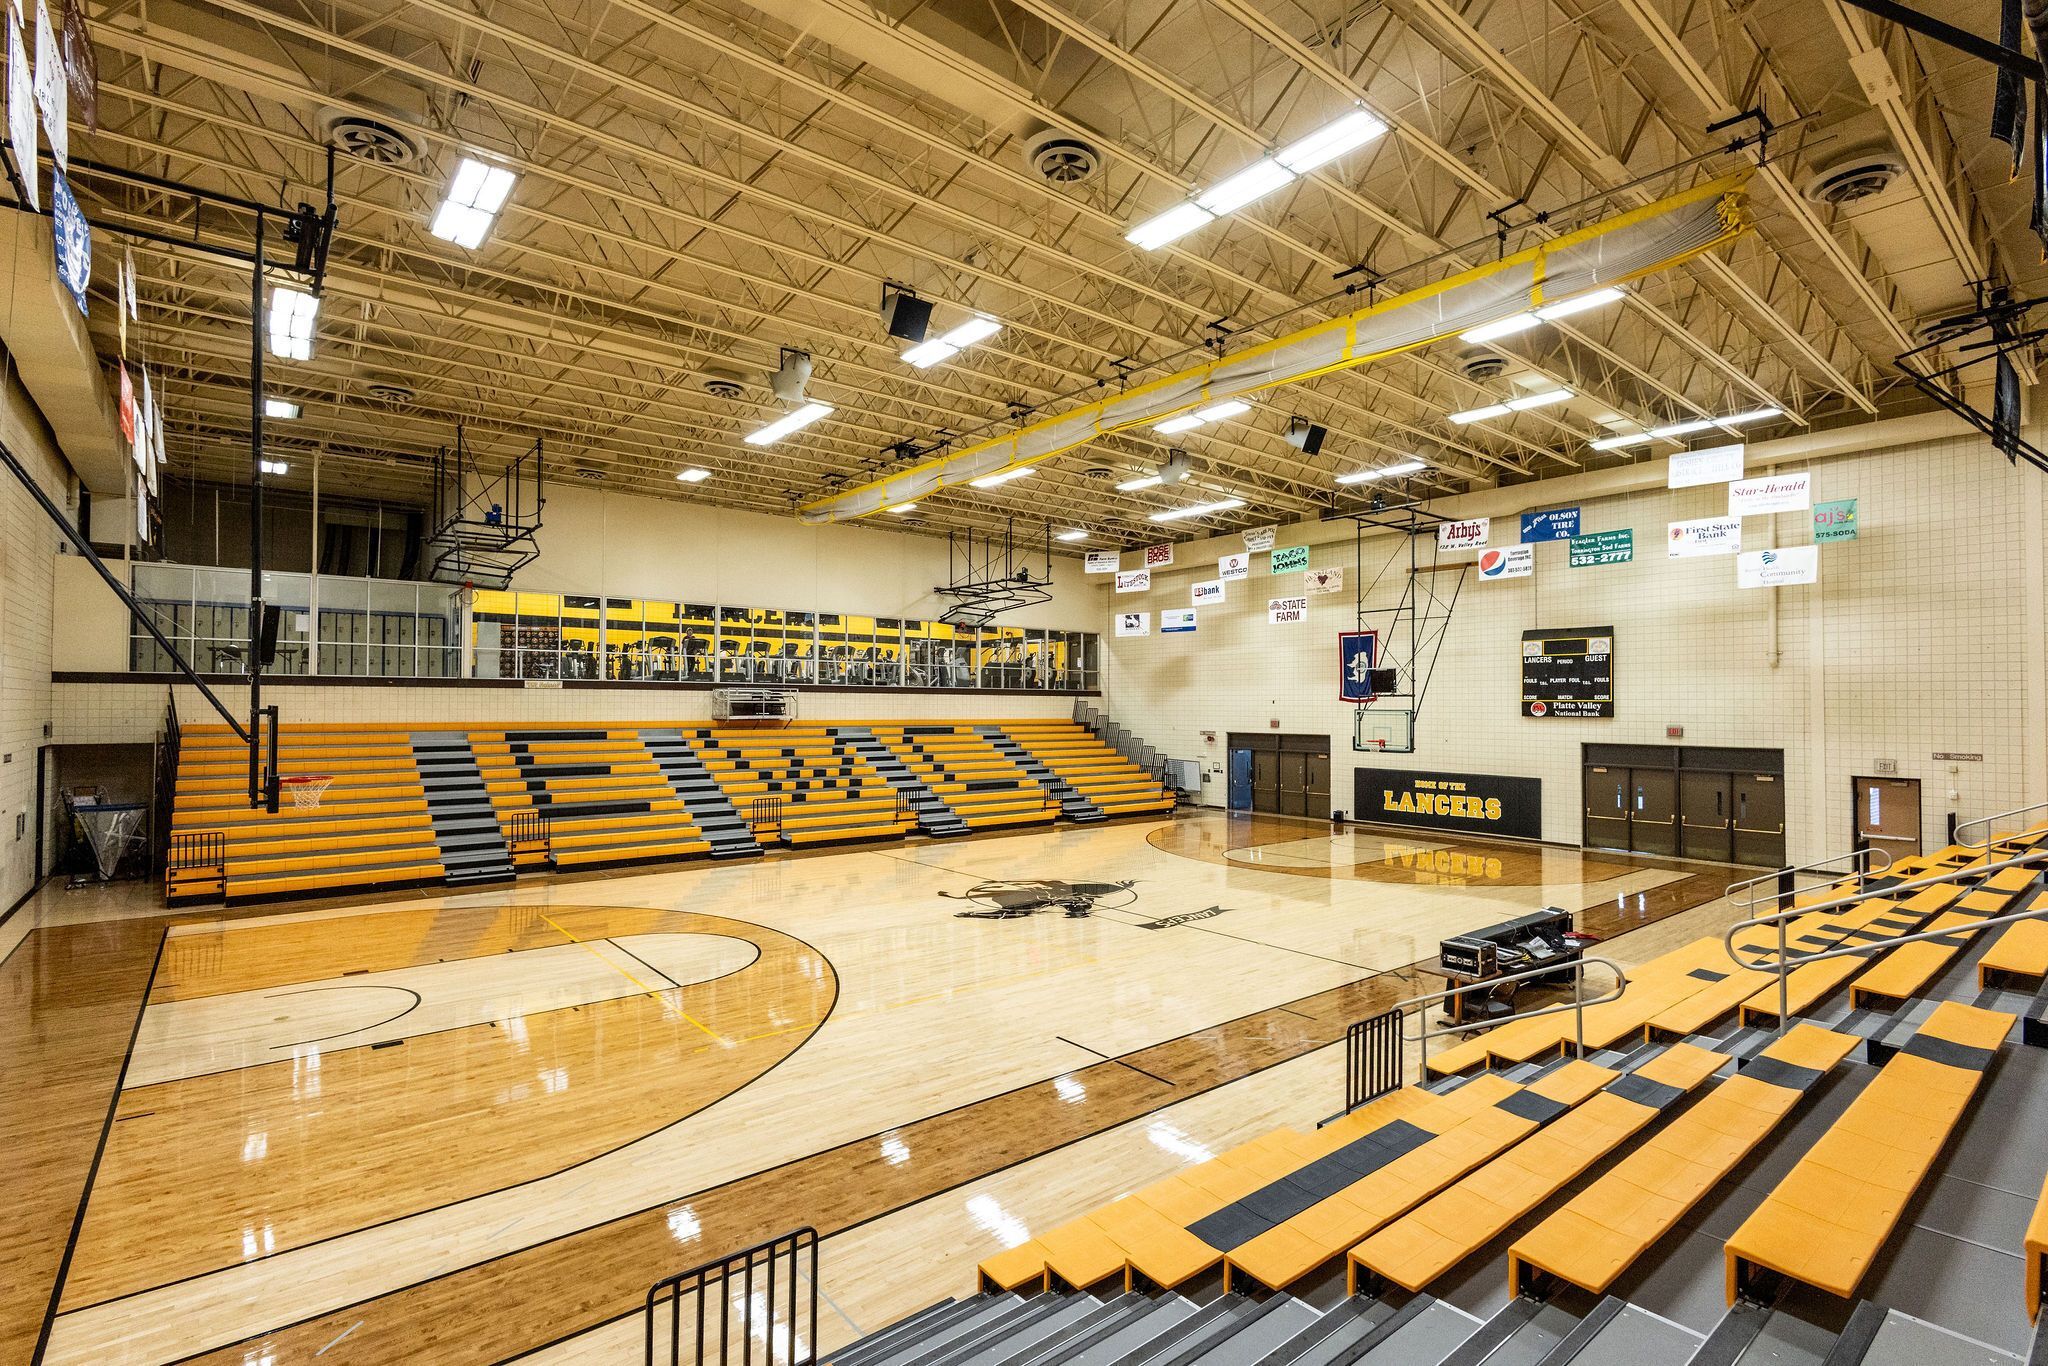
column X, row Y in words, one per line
column 1024, row 683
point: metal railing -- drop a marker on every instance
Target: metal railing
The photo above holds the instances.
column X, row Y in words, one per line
column 533, row 827
column 166, row 774
column 1784, row 963
column 1988, row 821
column 746, row 1302
column 187, row 850
column 764, row 811
column 1782, row 879
column 1372, row 1058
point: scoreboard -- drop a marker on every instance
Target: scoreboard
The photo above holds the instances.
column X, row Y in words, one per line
column 1568, row 672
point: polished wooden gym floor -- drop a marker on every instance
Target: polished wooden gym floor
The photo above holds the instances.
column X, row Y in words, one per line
column 463, row 1128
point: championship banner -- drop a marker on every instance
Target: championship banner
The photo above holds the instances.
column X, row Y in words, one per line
column 21, row 115
column 50, row 90
column 1260, row 538
column 1134, row 581
column 1508, row 562
column 1479, row 803
column 1557, row 524
column 1714, row 465
column 1357, row 655
column 1778, row 568
column 1772, row 493
column 1289, row 558
column 1101, row 562
column 1286, row 611
column 1175, row 620
column 1158, row 556
column 1134, row 623
column 1208, row 591
column 1322, row 580
column 1706, row 536
column 1463, row 535
column 1234, row 567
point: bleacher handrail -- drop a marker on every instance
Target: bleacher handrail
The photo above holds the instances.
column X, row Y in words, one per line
column 799, row 1330
column 1777, row 876
column 1577, row 1004
column 1990, row 838
column 1783, row 963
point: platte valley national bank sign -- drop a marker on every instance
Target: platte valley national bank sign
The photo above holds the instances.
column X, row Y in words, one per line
column 1474, row 803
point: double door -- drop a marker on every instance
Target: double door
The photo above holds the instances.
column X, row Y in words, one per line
column 1284, row 775
column 1686, row 813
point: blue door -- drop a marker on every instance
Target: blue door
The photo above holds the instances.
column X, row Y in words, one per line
column 1240, row 780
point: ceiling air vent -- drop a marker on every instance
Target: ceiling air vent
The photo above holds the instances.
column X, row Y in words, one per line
column 389, row 392
column 1854, row 178
column 1062, row 158
column 1482, row 365
column 1098, row 472
column 587, row 473
column 720, row 382
column 371, row 140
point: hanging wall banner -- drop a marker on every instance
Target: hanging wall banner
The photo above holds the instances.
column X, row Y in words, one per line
column 127, row 405
column 1234, row 567
column 1835, row 521
column 1603, row 547
column 81, row 67
column 1176, row 620
column 1772, row 493
column 1463, row 535
column 1208, row 591
column 73, row 239
column 1286, row 611
column 21, row 115
column 1357, row 656
column 1290, row 558
column 1507, row 562
column 1322, row 580
column 1714, row 465
column 1706, row 536
column 1158, row 556
column 1260, row 538
column 1134, row 623
column 1101, row 562
column 1134, row 581
column 1482, row 802
column 1556, row 524
column 50, row 92
column 1778, row 568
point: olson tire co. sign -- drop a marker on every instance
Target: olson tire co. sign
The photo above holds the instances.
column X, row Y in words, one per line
column 1475, row 803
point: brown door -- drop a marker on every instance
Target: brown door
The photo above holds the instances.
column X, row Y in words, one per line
column 1888, row 815
column 1266, row 780
column 1318, row 785
column 1760, row 820
column 1293, row 784
column 1653, row 811
column 1606, row 790
column 1706, row 815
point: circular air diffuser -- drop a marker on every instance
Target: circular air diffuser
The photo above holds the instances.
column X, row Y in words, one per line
column 372, row 140
column 1062, row 158
column 1854, row 178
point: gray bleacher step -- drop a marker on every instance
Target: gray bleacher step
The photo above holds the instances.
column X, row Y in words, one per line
column 1134, row 1338
column 1521, row 1333
column 1222, row 1313
column 465, row 825
column 1326, row 1336
column 1114, row 1314
column 923, row 1321
column 989, row 1332
column 1424, row 1331
column 1073, row 1310
column 957, row 1328
column 1896, row 1339
column 1617, row 1333
column 2034, row 1019
column 1282, row 1317
column 1757, row 1335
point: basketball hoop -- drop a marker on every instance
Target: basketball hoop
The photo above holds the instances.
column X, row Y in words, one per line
column 306, row 789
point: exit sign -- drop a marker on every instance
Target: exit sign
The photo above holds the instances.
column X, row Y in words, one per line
column 1674, row 732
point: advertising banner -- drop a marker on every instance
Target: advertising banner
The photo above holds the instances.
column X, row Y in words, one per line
column 1835, row 521
column 1322, row 580
column 1290, row 558
column 1714, row 465
column 1555, row 524
column 1158, row 556
column 1777, row 568
column 1175, row 620
column 1232, row 567
column 1208, row 591
column 1133, row 581
column 1463, row 535
column 1507, row 562
column 1771, row 493
column 1603, row 547
column 1286, row 611
column 1706, row 536
column 1101, row 562
column 1134, row 623
column 1260, row 538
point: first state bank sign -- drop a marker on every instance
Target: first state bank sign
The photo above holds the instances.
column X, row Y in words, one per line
column 1470, row 803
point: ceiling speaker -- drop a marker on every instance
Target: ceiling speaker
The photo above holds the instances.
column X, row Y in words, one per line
column 788, row 382
column 906, row 316
column 1305, row 436
column 1177, row 466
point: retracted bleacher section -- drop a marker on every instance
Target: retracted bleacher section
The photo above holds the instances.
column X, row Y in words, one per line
column 1578, row 1173
column 460, row 805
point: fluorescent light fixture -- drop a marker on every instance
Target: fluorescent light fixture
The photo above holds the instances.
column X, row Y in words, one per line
column 476, row 194
column 1258, row 179
column 1615, row 443
column 1185, row 422
column 274, row 467
column 277, row 407
column 989, row 481
column 1522, row 322
column 1198, row 510
column 1216, row 412
column 1753, row 415
column 787, row 423
column 1075, row 535
column 1363, row 476
column 1542, row 400
column 904, row 507
column 1506, row 327
column 1599, row 298
column 1481, row 414
column 1150, row 481
column 976, row 328
column 693, row 475
column 1331, row 141
column 924, row 355
column 292, row 312
column 1673, row 431
column 1176, row 222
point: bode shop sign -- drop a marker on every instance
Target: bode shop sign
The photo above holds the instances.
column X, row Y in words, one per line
column 1476, row 803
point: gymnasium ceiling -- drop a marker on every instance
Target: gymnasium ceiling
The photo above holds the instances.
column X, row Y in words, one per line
column 704, row 183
